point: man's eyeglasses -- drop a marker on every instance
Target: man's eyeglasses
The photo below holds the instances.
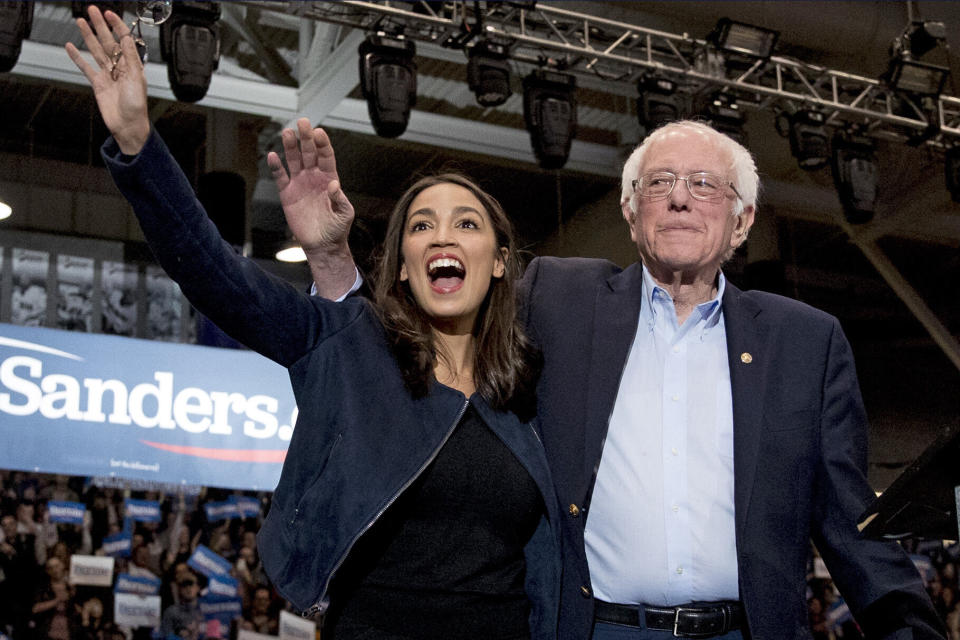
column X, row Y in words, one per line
column 187, row 583
column 701, row 185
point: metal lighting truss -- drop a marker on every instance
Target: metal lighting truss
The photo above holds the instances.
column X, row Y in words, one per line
column 619, row 52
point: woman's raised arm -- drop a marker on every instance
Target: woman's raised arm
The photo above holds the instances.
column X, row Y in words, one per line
column 117, row 78
column 316, row 208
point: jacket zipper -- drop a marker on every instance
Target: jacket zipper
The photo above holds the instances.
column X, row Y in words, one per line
column 318, row 606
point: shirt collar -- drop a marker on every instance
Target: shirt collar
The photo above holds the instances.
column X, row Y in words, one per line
column 709, row 311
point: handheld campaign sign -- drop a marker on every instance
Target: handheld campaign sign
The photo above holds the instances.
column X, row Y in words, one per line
column 224, row 586
column 66, row 512
column 296, row 628
column 96, row 571
column 118, row 545
column 226, row 510
column 247, row 507
column 143, row 585
column 168, row 413
column 208, row 562
column 221, row 608
column 142, row 510
column 132, row 610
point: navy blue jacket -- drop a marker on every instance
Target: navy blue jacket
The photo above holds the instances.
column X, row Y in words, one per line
column 800, row 447
column 361, row 438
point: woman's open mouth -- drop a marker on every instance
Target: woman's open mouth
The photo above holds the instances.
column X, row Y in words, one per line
column 446, row 273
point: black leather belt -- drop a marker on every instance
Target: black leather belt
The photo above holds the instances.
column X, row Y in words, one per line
column 696, row 620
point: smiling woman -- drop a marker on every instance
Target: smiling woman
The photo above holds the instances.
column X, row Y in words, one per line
column 415, row 499
column 445, row 285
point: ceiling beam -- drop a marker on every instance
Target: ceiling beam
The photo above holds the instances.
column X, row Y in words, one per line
column 237, row 18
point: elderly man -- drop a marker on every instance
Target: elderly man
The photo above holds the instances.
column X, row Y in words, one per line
column 699, row 436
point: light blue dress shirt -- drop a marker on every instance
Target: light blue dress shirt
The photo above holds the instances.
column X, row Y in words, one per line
column 660, row 529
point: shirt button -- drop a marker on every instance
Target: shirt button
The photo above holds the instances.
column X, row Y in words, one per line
column 574, row 510
column 679, row 570
column 676, row 349
column 675, row 508
column 674, row 451
column 675, row 397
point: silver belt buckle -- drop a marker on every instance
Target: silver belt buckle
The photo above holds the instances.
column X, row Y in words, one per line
column 676, row 620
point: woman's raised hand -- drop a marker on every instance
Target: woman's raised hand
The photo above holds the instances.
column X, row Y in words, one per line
column 316, row 209
column 118, row 81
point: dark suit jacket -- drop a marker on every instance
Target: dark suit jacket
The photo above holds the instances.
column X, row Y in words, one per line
column 800, row 443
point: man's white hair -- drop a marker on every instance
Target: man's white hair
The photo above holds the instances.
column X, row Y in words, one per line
column 742, row 168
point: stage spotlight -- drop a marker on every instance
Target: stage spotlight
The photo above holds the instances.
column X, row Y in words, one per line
column 291, row 251
column 743, row 39
column 855, row 176
column 905, row 72
column 550, row 111
column 388, row 80
column 5, row 210
column 190, row 45
column 808, row 139
column 952, row 166
column 919, row 37
column 16, row 21
column 723, row 114
column 658, row 102
column 919, row 78
column 488, row 73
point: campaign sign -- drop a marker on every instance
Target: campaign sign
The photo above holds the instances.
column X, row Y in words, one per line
column 225, row 586
column 838, row 613
column 221, row 608
column 162, row 412
column 95, row 571
column 247, row 506
column 142, row 510
column 144, row 585
column 132, row 610
column 243, row 634
column 209, row 563
column 118, row 545
column 66, row 512
column 296, row 628
column 226, row 510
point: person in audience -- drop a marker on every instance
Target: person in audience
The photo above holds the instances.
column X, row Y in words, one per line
column 261, row 616
column 53, row 604
column 184, row 618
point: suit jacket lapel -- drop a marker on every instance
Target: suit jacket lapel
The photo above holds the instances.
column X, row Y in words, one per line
column 748, row 354
column 616, row 313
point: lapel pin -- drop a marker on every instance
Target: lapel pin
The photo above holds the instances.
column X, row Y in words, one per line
column 746, row 358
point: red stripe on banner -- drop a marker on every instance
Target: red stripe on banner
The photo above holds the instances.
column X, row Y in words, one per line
column 235, row 455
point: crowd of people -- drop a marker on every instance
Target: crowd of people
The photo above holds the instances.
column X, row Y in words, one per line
column 937, row 562
column 38, row 600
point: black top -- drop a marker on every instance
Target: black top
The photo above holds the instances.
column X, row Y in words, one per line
column 446, row 559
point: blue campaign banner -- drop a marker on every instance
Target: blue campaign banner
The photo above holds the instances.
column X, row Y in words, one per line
column 225, row 586
column 118, row 545
column 142, row 510
column 226, row 510
column 220, row 608
column 208, row 562
column 247, row 506
column 66, row 512
column 109, row 406
column 144, row 585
